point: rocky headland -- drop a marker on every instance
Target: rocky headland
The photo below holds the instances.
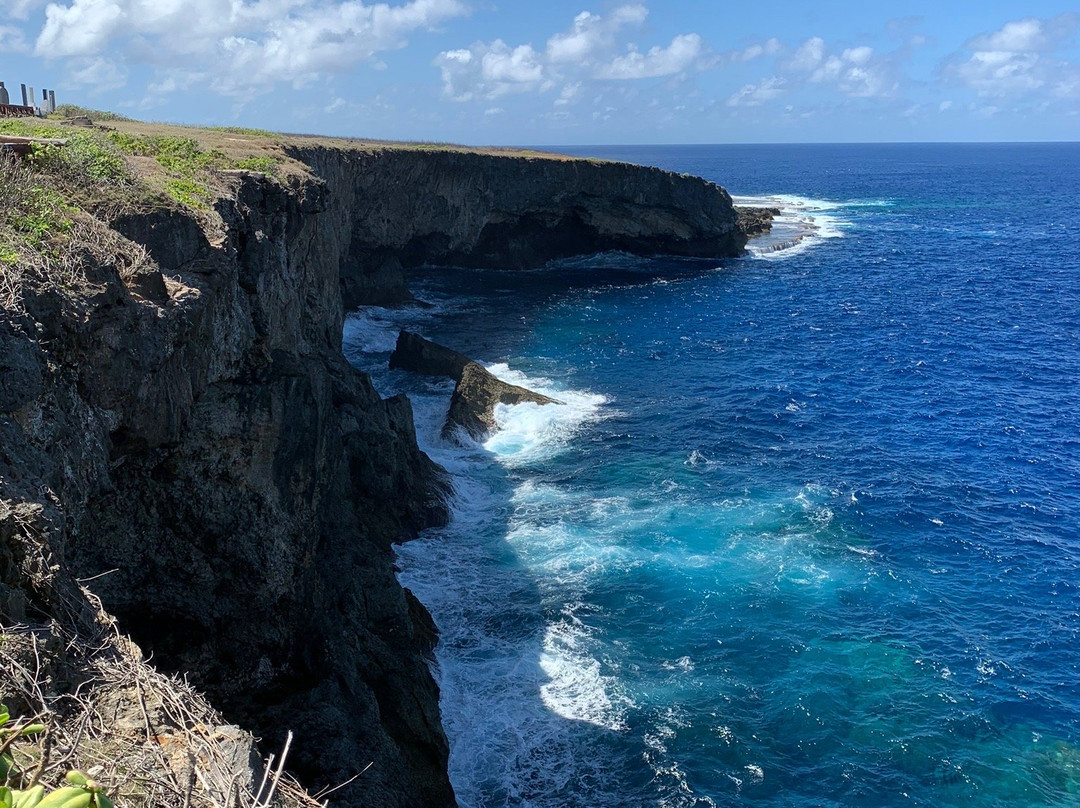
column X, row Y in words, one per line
column 187, row 460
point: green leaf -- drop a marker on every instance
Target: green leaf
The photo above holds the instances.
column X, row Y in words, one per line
column 32, row 729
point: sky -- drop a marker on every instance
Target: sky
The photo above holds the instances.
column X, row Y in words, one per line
column 562, row 72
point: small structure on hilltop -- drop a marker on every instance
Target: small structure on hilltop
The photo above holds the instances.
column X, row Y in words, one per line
column 28, row 108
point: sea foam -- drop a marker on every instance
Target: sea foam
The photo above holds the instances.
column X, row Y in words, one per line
column 802, row 223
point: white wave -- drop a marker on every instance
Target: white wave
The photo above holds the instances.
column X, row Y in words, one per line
column 371, row 330
column 803, row 223
column 576, row 689
column 529, row 432
column 509, row 679
column 374, row 330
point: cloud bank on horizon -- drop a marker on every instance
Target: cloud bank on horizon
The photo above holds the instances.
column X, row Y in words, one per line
column 461, row 70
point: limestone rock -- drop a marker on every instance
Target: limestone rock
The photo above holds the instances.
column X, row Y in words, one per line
column 401, row 208
column 419, row 355
column 472, row 406
column 214, row 450
column 20, row 370
column 756, row 221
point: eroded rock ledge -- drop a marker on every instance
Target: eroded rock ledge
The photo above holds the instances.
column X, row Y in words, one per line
column 192, row 430
column 403, row 208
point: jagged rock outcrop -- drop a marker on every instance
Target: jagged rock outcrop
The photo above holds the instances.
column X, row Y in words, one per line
column 756, row 221
column 418, row 355
column 412, row 207
column 478, row 392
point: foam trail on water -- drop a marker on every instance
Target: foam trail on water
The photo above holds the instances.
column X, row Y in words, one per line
column 576, row 688
column 519, row 678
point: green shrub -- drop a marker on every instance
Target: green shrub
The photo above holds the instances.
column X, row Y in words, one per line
column 265, row 164
column 181, row 155
column 86, row 159
column 242, row 130
column 42, row 212
column 71, row 110
column 189, row 192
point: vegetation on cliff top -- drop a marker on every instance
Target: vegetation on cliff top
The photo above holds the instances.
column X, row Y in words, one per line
column 56, row 203
column 55, row 206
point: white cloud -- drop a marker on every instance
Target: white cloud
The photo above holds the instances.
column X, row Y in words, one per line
column 239, row 46
column 587, row 51
column 1014, row 37
column 591, row 34
column 1068, row 85
column 754, row 95
column 12, row 40
column 490, row 71
column 769, row 47
column 517, row 66
column 1017, row 59
column 680, row 55
column 98, row 74
column 1000, row 72
column 81, row 29
column 20, row 9
column 808, row 55
column 570, row 93
column 858, row 56
column 857, row 72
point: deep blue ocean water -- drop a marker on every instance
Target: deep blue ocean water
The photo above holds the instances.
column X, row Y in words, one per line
column 806, row 531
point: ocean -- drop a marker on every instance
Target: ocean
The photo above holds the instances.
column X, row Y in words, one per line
column 806, row 531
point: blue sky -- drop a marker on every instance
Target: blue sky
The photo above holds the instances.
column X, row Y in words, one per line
column 559, row 72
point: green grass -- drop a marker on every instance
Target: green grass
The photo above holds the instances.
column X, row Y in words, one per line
column 182, row 155
column 264, row 165
column 72, row 110
column 42, row 212
column 189, row 192
column 243, row 130
column 26, row 127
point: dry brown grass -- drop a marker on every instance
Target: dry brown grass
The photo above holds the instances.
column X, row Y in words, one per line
column 44, row 239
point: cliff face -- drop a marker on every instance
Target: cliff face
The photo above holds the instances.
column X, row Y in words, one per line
column 191, row 433
column 408, row 208
column 214, row 449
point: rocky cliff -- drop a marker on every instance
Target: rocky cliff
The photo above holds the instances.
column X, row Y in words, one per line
column 186, row 435
column 403, row 208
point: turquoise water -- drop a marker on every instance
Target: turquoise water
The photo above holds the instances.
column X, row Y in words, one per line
column 806, row 531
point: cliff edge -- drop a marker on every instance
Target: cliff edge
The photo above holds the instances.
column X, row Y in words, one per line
column 407, row 208
column 183, row 445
